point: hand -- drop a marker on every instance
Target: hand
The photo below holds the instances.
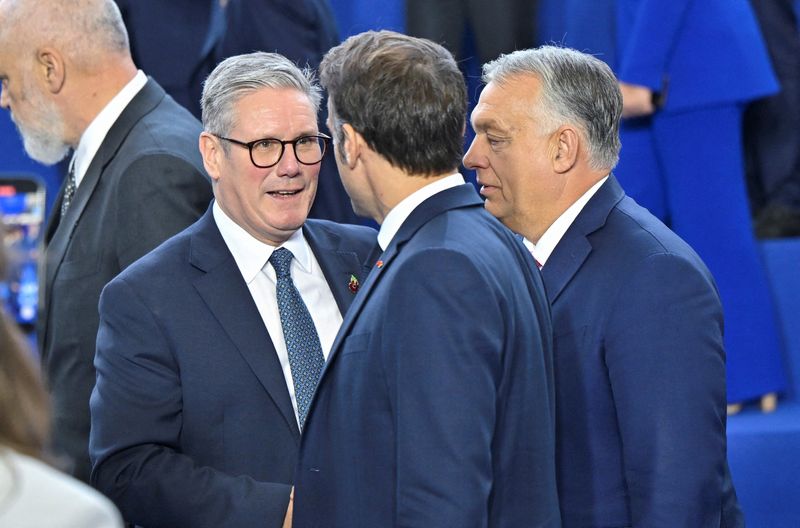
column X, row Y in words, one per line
column 637, row 101
column 287, row 521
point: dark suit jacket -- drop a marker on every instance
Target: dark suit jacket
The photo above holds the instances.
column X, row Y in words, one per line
column 640, row 374
column 145, row 184
column 167, row 41
column 192, row 424
column 436, row 404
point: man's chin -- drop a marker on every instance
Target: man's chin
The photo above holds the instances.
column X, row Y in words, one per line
column 49, row 155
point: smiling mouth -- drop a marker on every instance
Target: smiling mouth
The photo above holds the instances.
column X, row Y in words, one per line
column 282, row 193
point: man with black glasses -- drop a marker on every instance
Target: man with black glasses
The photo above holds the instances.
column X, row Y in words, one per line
column 211, row 346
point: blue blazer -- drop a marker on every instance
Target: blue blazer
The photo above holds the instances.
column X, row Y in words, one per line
column 436, row 405
column 640, row 374
column 697, row 52
column 192, row 424
column 701, row 52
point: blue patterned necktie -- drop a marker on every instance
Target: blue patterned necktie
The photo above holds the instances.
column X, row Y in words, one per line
column 302, row 342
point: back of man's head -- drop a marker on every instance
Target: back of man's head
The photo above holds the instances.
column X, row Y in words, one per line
column 240, row 75
column 89, row 33
column 576, row 88
column 404, row 95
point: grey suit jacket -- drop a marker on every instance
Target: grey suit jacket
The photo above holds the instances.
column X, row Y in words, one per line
column 145, row 184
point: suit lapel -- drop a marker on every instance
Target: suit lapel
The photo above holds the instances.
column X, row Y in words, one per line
column 228, row 298
column 574, row 247
column 339, row 264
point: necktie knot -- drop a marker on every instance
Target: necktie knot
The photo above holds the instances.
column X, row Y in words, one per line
column 281, row 260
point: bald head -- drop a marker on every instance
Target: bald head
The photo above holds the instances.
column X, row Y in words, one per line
column 89, row 33
column 61, row 62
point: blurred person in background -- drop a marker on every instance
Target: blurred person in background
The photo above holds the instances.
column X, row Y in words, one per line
column 494, row 27
column 772, row 128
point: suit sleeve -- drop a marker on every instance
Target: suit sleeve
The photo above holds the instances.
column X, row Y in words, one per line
column 136, row 428
column 656, row 27
column 666, row 363
column 443, row 365
column 157, row 196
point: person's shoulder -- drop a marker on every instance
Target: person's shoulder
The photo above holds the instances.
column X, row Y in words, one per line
column 44, row 497
column 159, row 121
column 169, row 254
column 638, row 233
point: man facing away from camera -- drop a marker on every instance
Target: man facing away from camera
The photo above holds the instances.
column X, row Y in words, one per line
column 436, row 404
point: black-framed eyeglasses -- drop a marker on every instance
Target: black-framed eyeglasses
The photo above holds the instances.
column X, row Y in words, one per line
column 267, row 152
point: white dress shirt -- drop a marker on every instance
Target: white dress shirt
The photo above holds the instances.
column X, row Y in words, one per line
column 96, row 132
column 252, row 258
column 395, row 218
column 549, row 240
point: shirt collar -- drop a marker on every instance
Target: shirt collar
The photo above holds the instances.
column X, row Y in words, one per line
column 391, row 224
column 96, row 132
column 250, row 254
column 552, row 236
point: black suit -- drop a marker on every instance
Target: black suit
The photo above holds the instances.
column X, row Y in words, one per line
column 772, row 125
column 497, row 27
column 145, row 183
column 167, row 41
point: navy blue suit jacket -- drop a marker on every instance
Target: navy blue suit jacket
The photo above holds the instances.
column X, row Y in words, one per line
column 192, row 424
column 640, row 374
column 436, row 405
column 167, row 41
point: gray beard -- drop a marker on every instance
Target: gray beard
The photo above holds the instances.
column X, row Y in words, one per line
column 43, row 143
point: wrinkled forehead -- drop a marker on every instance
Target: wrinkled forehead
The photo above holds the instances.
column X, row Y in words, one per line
column 275, row 112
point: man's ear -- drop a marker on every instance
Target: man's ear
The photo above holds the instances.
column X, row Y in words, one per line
column 211, row 150
column 566, row 142
column 352, row 144
column 51, row 67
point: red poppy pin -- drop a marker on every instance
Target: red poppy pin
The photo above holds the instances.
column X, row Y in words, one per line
column 379, row 264
column 353, row 285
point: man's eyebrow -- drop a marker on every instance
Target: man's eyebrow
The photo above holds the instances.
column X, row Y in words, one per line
column 488, row 123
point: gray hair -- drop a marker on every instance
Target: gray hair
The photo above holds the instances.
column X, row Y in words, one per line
column 86, row 31
column 241, row 75
column 576, row 88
